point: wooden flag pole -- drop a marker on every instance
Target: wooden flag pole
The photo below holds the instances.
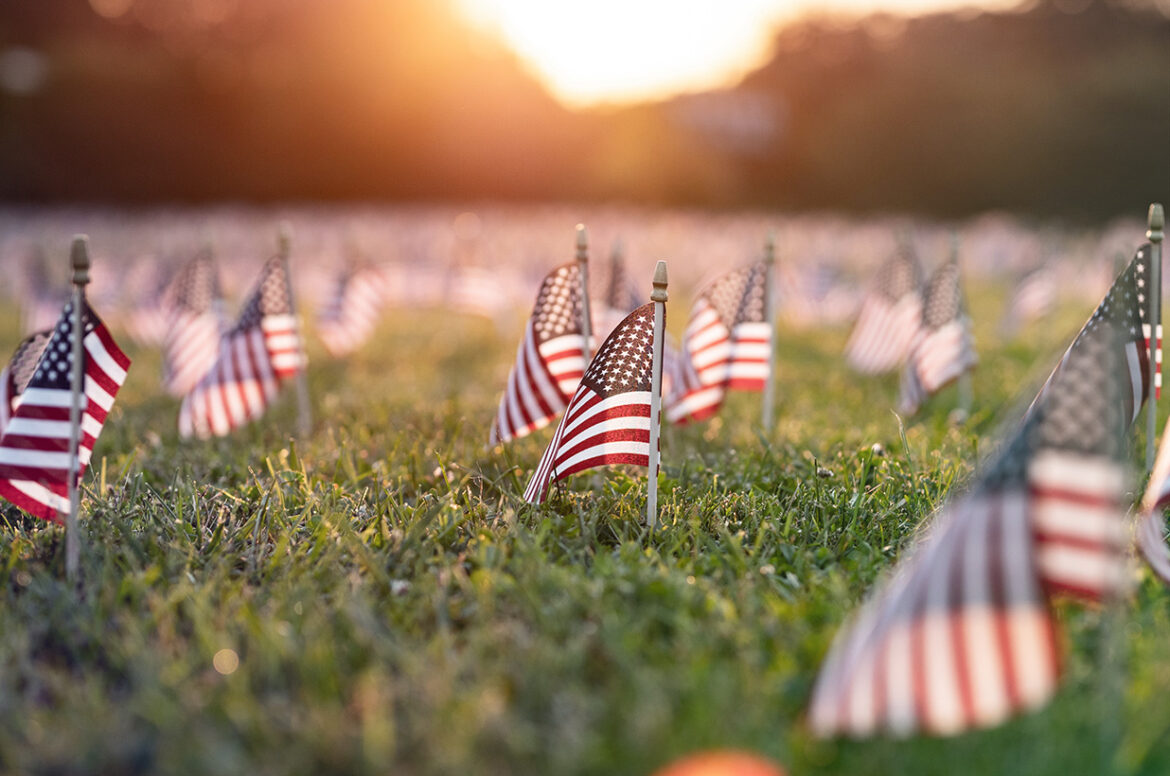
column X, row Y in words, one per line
column 965, row 386
column 583, row 266
column 1157, row 223
column 304, row 409
column 659, row 297
column 770, row 318
column 79, row 259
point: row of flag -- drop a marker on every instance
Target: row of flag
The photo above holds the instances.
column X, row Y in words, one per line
column 962, row 636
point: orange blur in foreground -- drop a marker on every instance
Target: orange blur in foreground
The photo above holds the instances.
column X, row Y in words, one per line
column 721, row 764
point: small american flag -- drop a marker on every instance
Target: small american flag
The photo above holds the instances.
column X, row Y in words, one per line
column 1034, row 297
column 40, row 301
column 888, row 319
column 34, row 449
column 727, row 344
column 608, row 419
column 262, row 349
column 194, row 316
column 19, row 371
column 963, row 636
column 1124, row 310
column 1151, row 526
column 550, row 360
column 618, row 295
column 943, row 348
column 350, row 315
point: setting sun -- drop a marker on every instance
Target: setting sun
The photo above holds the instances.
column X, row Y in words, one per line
column 616, row 50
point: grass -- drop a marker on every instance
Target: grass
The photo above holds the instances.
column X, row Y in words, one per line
column 376, row 598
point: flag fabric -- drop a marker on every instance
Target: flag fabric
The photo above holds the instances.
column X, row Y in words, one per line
column 550, row 360
column 727, row 345
column 608, row 419
column 194, row 322
column 943, row 348
column 889, row 318
column 40, row 301
column 618, row 296
column 254, row 357
column 352, row 311
column 1151, row 525
column 963, row 635
column 19, row 371
column 477, row 291
column 1034, row 297
column 34, row 449
column 1125, row 310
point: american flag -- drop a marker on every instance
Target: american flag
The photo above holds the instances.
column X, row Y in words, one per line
column 194, row 314
column 1125, row 310
column 351, row 313
column 1151, row 526
column 34, row 449
column 727, row 344
column 1034, row 297
column 618, row 295
column 943, row 348
column 19, row 371
column 262, row 349
column 550, row 360
column 40, row 303
column 148, row 319
column 963, row 635
column 477, row 291
column 608, row 419
column 888, row 319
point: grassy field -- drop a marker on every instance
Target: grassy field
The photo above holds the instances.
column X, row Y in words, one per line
column 376, row 598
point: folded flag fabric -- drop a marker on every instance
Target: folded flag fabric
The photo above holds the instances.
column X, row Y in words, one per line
column 608, row 419
column 254, row 357
column 34, row 449
column 19, row 371
column 1125, row 311
column 943, row 348
column 550, row 360
column 350, row 314
column 962, row 636
column 194, row 322
column 727, row 345
column 889, row 318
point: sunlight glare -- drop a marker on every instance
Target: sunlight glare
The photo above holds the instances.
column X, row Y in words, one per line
column 626, row 50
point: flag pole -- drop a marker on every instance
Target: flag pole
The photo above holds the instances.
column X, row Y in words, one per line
column 583, row 267
column 79, row 260
column 659, row 297
column 965, row 384
column 1157, row 222
column 770, row 318
column 304, row 409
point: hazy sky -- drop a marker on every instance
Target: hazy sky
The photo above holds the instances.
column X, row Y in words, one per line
column 595, row 51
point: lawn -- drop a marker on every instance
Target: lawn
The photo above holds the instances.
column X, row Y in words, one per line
column 377, row 598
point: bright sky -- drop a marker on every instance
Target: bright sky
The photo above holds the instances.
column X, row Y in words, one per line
column 594, row 51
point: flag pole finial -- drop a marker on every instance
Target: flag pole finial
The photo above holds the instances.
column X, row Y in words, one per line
column 659, row 293
column 79, row 259
column 1156, row 222
column 582, row 243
